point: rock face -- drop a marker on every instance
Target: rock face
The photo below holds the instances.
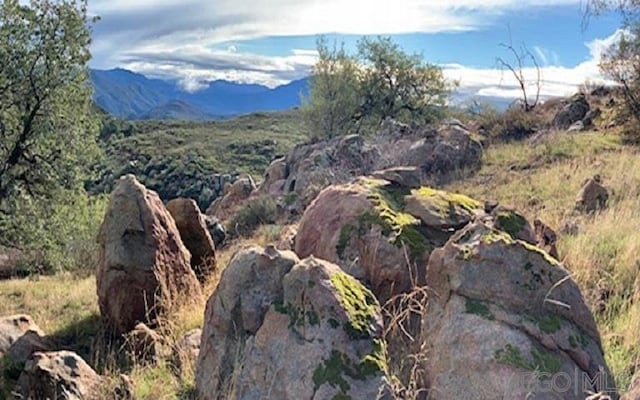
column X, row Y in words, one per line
column 216, row 230
column 381, row 233
column 234, row 195
column 574, row 111
column 144, row 268
column 507, row 321
column 59, row 375
column 451, row 148
column 592, row 196
column 312, row 334
column 194, row 234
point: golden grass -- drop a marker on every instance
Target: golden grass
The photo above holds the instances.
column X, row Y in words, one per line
column 542, row 181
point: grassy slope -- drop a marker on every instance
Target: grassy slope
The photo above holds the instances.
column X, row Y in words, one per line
column 541, row 180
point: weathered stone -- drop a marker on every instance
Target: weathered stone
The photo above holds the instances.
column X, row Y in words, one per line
column 251, row 283
column 381, row 233
column 216, row 230
column 144, row 345
column 144, row 268
column 235, row 195
column 505, row 319
column 10, row 262
column 574, row 111
column 592, row 196
column 194, row 234
column 57, row 375
column 513, row 223
column 185, row 351
column 20, row 338
column 410, row 177
column 320, row 339
column 546, row 238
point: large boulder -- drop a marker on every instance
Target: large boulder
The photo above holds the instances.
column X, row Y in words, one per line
column 381, row 233
column 20, row 338
column 593, row 196
column 184, row 352
column 574, row 111
column 144, row 269
column 318, row 337
column 59, row 375
column 506, row 320
column 249, row 285
column 452, row 148
column 195, row 235
column 235, row 194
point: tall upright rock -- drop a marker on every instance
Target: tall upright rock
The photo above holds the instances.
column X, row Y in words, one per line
column 144, row 268
column 193, row 230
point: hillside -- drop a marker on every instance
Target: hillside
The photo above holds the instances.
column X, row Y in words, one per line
column 130, row 95
column 181, row 158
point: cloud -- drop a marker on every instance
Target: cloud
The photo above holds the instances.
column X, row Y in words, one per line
column 556, row 80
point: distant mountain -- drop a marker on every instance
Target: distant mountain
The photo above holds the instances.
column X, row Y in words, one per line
column 131, row 95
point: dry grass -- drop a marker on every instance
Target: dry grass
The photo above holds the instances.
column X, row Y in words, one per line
column 542, row 180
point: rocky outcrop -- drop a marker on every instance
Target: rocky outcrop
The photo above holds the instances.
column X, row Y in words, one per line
column 144, row 269
column 506, row 320
column 225, row 206
column 452, row 148
column 195, row 235
column 574, row 111
column 381, row 233
column 216, row 230
column 593, row 196
column 314, row 334
column 59, row 375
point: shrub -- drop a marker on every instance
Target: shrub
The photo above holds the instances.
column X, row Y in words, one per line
column 257, row 212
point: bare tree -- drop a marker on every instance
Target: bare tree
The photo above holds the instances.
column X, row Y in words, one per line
column 517, row 68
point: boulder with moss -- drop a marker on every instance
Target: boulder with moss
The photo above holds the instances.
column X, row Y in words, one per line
column 381, row 232
column 505, row 320
column 315, row 333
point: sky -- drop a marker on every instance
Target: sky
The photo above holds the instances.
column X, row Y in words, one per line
column 272, row 42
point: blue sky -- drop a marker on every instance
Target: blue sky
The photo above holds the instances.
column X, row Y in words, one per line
column 272, row 41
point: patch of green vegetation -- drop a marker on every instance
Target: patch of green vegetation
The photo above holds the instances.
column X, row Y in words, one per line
column 388, row 214
column 579, row 340
column 478, row 308
column 550, row 324
column 297, row 316
column 290, row 198
column 496, row 236
column 543, row 253
column 333, row 323
column 257, row 212
column 339, row 366
column 359, row 303
column 446, row 200
column 542, row 360
column 511, row 222
column 343, row 240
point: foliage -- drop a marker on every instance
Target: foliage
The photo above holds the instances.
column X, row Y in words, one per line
column 46, row 127
column 181, row 158
column 350, row 93
column 58, row 233
column 513, row 124
column 257, row 212
column 333, row 96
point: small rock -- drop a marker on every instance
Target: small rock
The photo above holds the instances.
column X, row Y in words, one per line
column 144, row 344
column 593, row 196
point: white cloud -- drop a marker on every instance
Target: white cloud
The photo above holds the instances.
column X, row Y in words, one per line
column 556, row 80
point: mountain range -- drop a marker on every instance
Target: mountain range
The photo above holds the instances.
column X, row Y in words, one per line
column 131, row 95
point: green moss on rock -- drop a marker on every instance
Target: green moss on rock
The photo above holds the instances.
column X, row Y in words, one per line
column 550, row 324
column 542, row 360
column 446, row 200
column 478, row 308
column 359, row 303
column 511, row 222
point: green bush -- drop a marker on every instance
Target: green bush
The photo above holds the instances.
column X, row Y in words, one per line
column 513, row 124
column 257, row 212
column 58, row 234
